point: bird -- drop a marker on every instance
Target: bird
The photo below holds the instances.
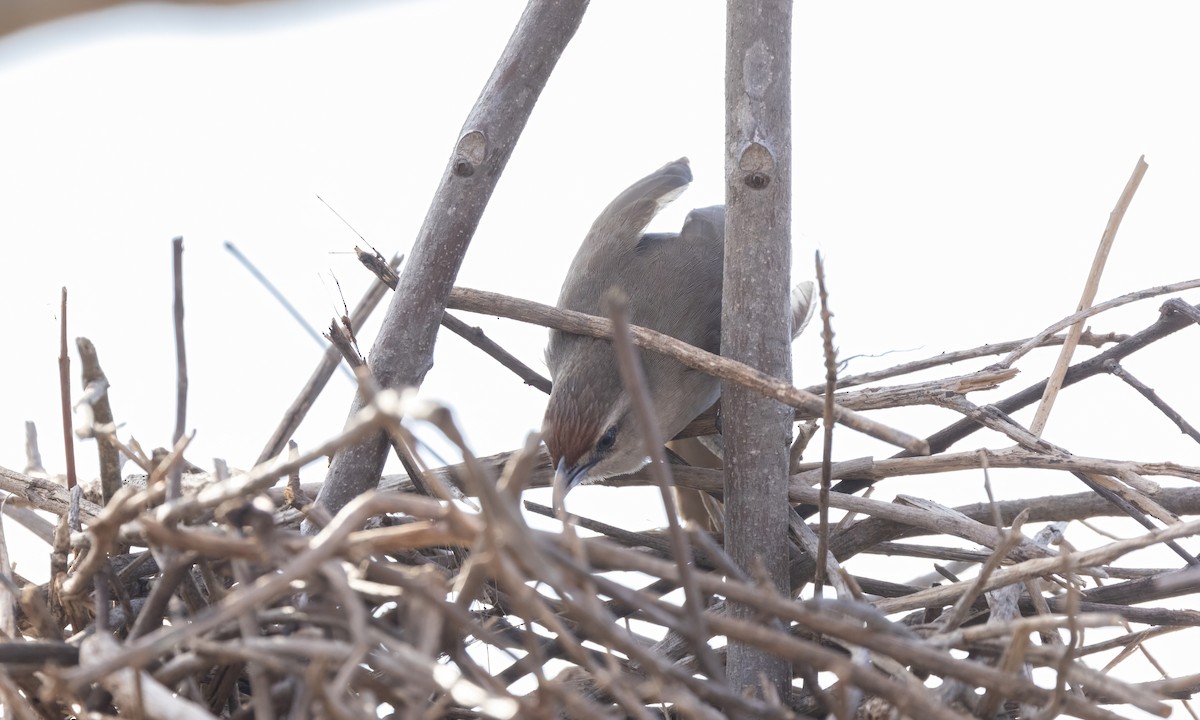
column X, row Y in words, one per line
column 673, row 283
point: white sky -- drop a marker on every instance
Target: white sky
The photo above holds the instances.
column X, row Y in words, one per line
column 955, row 162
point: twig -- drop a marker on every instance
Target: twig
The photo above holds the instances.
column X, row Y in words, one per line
column 956, row 356
column 43, row 494
column 476, row 337
column 1089, row 295
column 1008, row 541
column 633, row 377
column 1047, row 336
column 64, row 389
column 715, row 365
column 878, row 398
column 275, row 292
column 264, row 475
column 175, row 474
column 99, row 422
column 830, row 355
column 896, row 644
column 1129, row 500
column 1040, row 566
column 1115, row 368
column 1171, row 320
column 33, row 455
column 316, row 382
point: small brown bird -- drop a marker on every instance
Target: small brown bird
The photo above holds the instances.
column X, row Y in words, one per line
column 673, row 285
column 673, row 282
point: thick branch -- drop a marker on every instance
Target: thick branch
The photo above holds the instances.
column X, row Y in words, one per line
column 403, row 352
column 756, row 319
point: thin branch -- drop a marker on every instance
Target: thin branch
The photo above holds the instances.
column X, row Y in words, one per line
column 64, row 389
column 316, row 382
column 1171, row 320
column 582, row 324
column 475, row 336
column 174, row 475
column 1047, row 336
column 634, row 379
column 1115, row 368
column 830, row 355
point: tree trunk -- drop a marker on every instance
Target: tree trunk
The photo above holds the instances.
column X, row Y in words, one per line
column 756, row 320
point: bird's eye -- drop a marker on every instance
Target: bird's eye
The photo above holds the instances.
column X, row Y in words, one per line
column 607, row 439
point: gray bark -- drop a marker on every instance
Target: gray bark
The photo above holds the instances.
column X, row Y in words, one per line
column 403, row 352
column 756, row 324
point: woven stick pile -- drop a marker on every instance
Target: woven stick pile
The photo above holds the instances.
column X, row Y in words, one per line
column 434, row 597
column 189, row 592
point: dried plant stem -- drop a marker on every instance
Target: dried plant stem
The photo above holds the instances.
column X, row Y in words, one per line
column 64, row 389
column 1089, row 295
column 830, row 355
column 95, row 401
column 1047, row 336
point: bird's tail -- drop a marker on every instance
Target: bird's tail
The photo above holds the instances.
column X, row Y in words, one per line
column 633, row 209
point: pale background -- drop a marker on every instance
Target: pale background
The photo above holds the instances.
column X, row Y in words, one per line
column 955, row 163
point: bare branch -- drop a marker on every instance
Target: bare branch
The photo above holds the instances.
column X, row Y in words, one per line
column 403, row 351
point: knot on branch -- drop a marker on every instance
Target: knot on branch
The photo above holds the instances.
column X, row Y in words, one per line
column 471, row 150
column 757, row 166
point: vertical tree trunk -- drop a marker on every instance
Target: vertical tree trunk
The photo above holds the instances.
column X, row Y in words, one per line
column 403, row 352
column 756, row 321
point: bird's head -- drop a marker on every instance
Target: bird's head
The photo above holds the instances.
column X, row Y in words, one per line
column 590, row 431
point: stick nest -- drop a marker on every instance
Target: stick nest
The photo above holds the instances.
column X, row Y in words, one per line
column 436, row 597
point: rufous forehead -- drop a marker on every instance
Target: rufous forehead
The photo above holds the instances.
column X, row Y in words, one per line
column 568, row 433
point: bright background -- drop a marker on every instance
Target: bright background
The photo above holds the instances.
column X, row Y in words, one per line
column 954, row 162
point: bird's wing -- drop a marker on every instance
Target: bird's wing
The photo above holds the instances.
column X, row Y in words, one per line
column 705, row 226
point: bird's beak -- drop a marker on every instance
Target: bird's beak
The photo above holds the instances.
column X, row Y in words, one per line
column 562, row 485
column 566, row 478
